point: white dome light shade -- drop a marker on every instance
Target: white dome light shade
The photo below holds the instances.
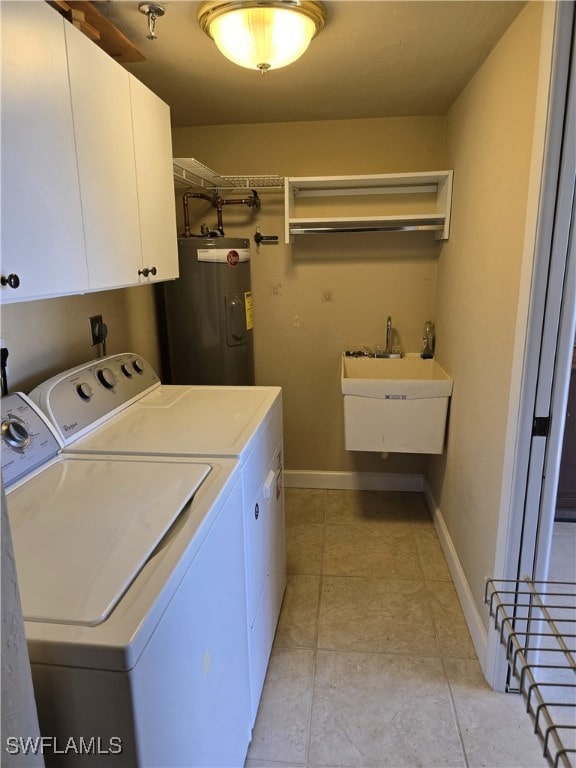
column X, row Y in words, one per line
column 264, row 35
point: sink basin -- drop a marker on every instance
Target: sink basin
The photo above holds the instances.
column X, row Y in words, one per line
column 403, row 378
column 396, row 405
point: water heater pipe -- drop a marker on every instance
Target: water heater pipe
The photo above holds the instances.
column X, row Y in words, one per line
column 216, row 202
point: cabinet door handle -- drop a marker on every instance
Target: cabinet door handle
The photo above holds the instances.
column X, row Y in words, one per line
column 12, row 281
column 147, row 271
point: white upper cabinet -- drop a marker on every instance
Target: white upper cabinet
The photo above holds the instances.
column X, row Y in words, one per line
column 87, row 190
column 42, row 236
column 105, row 150
column 153, row 156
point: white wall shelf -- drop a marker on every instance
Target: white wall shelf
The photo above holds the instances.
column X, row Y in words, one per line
column 381, row 202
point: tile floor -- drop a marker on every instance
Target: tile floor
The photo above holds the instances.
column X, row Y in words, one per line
column 563, row 556
column 372, row 663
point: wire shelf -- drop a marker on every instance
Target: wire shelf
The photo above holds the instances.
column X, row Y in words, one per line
column 537, row 625
column 188, row 172
column 256, row 182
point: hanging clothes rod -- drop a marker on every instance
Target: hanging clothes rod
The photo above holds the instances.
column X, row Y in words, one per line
column 311, row 230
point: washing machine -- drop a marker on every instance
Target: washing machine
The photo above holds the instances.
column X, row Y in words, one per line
column 131, row 413
column 132, row 584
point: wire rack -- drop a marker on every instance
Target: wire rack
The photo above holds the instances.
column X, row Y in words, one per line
column 189, row 172
column 537, row 625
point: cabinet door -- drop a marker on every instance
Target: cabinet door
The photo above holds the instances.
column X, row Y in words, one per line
column 42, row 234
column 153, row 155
column 105, row 150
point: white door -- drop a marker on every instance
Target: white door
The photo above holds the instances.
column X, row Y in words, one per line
column 550, row 336
column 554, row 315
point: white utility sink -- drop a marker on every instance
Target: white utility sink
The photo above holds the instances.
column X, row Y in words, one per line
column 408, row 377
column 396, row 405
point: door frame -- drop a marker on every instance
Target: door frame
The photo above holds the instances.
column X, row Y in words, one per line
column 525, row 533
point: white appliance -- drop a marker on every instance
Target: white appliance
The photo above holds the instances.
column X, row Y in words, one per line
column 210, row 422
column 131, row 573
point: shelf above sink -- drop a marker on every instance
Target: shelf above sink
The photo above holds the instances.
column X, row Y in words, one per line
column 398, row 202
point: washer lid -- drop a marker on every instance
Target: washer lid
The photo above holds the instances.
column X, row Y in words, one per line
column 83, row 528
column 184, row 421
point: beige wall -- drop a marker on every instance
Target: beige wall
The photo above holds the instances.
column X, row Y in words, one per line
column 298, row 336
column 490, row 142
column 48, row 336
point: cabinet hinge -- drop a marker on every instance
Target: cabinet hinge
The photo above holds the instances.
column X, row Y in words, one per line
column 540, row 426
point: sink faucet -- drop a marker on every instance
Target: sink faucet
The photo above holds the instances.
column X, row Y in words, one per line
column 388, row 350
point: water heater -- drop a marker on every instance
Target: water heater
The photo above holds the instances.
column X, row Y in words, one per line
column 207, row 313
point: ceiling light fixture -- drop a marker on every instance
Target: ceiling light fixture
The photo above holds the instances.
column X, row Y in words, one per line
column 262, row 34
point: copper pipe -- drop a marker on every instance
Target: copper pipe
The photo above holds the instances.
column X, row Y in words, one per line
column 185, row 197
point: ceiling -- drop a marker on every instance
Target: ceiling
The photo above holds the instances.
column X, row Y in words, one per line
column 374, row 58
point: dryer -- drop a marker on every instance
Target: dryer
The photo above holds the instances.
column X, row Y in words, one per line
column 131, row 574
column 210, row 422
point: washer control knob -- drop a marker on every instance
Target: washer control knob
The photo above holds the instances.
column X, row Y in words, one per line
column 85, row 390
column 107, row 378
column 15, row 432
column 125, row 368
column 138, row 366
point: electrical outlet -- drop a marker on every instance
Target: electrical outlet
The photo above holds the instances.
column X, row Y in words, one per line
column 4, row 367
column 96, row 329
column 327, row 294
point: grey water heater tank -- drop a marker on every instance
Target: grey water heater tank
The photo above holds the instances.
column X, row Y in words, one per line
column 208, row 313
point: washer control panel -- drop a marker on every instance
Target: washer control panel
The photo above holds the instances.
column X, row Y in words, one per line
column 78, row 399
column 27, row 440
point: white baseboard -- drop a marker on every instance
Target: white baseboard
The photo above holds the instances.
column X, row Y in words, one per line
column 473, row 618
column 363, row 481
